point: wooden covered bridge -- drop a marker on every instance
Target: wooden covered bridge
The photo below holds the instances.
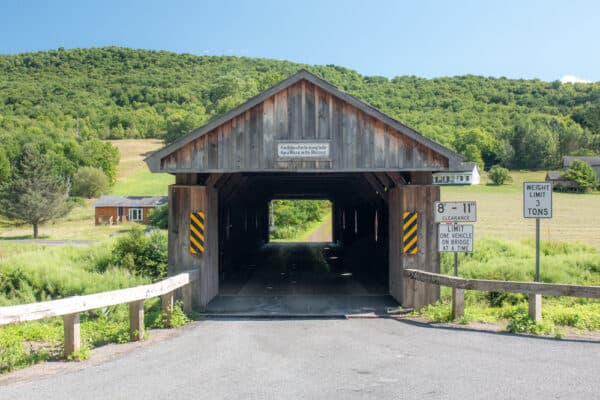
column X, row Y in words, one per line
column 304, row 139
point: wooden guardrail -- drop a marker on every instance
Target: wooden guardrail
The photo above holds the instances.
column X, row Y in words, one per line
column 531, row 288
column 70, row 308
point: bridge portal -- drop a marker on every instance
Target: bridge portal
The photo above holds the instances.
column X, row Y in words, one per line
column 304, row 139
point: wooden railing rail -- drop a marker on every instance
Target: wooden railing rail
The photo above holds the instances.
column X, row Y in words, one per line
column 459, row 285
column 70, row 308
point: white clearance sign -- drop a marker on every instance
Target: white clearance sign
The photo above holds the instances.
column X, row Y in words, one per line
column 455, row 238
column 537, row 200
column 455, row 211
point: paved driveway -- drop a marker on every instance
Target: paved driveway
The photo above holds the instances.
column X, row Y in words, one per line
column 332, row 359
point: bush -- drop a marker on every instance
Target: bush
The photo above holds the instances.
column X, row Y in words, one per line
column 583, row 175
column 90, row 182
column 159, row 217
column 142, row 254
column 499, row 175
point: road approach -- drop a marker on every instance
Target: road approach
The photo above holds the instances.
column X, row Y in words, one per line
column 332, row 359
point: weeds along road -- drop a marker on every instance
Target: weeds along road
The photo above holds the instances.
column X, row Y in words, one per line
column 332, row 359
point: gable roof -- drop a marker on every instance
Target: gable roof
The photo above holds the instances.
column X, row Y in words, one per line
column 153, row 161
column 568, row 160
column 130, row 201
column 464, row 167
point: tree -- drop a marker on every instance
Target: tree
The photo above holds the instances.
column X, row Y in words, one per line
column 103, row 155
column 90, row 182
column 33, row 194
column 181, row 123
column 583, row 175
column 159, row 217
column 499, row 175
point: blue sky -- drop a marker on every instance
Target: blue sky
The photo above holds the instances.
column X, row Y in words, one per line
column 517, row 39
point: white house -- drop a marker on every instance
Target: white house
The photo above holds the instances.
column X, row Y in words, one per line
column 466, row 173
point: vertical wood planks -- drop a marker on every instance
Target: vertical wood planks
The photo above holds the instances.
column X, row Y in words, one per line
column 295, row 117
column 184, row 199
column 323, row 115
column 310, row 116
column 303, row 112
column 268, row 134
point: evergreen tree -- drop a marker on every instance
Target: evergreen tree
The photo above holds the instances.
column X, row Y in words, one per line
column 33, row 194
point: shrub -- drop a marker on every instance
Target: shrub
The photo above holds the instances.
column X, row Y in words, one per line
column 499, row 175
column 159, row 217
column 90, row 182
column 583, row 175
column 145, row 255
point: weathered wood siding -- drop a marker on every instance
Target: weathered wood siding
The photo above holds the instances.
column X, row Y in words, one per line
column 303, row 112
column 183, row 200
column 420, row 199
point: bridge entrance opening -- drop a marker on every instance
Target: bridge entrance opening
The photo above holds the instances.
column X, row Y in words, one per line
column 306, row 237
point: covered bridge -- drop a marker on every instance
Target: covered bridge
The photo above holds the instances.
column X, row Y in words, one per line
column 305, row 139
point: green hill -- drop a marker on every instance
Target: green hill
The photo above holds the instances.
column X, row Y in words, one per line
column 124, row 93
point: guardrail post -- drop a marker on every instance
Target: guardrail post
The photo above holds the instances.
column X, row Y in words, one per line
column 186, row 292
column 458, row 303
column 72, row 334
column 136, row 320
column 535, row 307
column 167, row 306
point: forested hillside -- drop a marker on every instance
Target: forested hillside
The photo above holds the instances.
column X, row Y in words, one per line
column 63, row 98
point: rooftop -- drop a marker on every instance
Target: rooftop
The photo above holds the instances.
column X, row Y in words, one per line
column 130, row 201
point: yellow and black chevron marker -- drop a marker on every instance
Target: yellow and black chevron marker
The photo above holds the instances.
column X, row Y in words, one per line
column 197, row 232
column 410, row 227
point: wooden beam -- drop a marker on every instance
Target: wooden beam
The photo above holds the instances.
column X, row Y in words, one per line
column 77, row 304
column 167, row 302
column 377, row 186
column 136, row 320
column 546, row 289
column 72, row 340
column 385, row 180
column 212, row 179
column 396, row 177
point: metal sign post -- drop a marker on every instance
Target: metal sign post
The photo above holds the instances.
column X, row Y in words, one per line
column 455, row 238
column 537, row 203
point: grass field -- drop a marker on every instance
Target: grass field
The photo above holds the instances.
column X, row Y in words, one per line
column 576, row 217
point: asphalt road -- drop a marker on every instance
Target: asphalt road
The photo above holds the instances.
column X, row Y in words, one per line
column 332, row 359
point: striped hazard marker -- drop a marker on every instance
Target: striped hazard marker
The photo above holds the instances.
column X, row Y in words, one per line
column 197, row 232
column 410, row 227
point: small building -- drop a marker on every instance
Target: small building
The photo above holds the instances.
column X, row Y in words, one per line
column 559, row 183
column 114, row 209
column 465, row 173
column 593, row 162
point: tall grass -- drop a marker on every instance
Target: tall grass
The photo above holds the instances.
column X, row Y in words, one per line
column 573, row 263
column 39, row 273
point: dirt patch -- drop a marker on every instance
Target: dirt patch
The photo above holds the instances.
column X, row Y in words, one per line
column 99, row 355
